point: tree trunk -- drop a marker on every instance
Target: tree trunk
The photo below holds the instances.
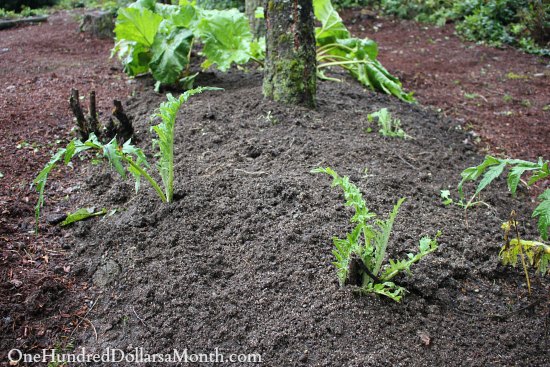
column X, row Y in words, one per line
column 290, row 68
column 257, row 26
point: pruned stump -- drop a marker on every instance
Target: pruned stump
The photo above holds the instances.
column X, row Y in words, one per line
column 118, row 126
column 100, row 24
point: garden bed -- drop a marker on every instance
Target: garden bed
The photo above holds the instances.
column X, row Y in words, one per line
column 241, row 261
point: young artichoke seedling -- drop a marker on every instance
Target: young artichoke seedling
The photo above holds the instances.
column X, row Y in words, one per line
column 360, row 255
column 128, row 158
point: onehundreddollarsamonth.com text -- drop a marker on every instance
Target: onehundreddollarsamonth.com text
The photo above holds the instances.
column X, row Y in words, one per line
column 136, row 355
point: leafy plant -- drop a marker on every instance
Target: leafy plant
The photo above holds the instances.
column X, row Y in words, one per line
column 159, row 38
column 336, row 47
column 165, row 131
column 123, row 159
column 128, row 158
column 226, row 37
column 446, row 197
column 360, row 256
column 388, row 127
column 537, row 253
column 151, row 36
column 492, row 167
column 520, row 23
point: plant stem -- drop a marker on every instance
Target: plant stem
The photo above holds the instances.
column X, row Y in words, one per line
column 525, row 269
column 148, row 178
column 324, row 77
column 333, row 45
column 330, row 57
column 257, row 61
column 522, row 256
column 341, row 63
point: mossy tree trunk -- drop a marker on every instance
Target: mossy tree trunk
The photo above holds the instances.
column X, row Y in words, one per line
column 290, row 67
column 257, row 26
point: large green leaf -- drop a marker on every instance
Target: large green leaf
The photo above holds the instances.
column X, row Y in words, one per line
column 226, row 37
column 360, row 49
column 139, row 25
column 135, row 57
column 332, row 26
column 492, row 173
column 542, row 211
column 473, row 173
column 357, row 56
column 515, row 174
column 111, row 152
column 179, row 16
column 144, row 4
column 382, row 80
column 170, row 55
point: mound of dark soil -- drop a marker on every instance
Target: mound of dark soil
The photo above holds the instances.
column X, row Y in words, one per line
column 241, row 261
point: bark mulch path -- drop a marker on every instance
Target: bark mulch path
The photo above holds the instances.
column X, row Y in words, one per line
column 500, row 95
column 38, row 67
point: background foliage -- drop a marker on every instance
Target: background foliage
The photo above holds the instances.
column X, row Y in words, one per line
column 17, row 5
column 521, row 23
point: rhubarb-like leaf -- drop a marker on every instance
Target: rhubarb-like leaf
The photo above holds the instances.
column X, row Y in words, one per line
column 139, row 25
column 226, row 37
column 170, row 55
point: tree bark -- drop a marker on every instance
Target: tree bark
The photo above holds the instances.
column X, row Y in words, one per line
column 257, row 26
column 290, row 68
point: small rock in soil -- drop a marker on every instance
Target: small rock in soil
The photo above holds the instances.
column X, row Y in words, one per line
column 55, row 218
column 106, row 274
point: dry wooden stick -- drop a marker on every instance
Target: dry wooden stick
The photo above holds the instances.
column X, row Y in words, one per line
column 93, row 125
column 74, row 101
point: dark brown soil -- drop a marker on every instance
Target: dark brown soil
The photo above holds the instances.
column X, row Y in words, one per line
column 241, row 261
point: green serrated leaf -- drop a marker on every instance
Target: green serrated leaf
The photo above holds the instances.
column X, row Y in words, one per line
column 165, row 132
column 138, row 25
column 515, row 175
column 170, row 55
column 82, row 214
column 446, row 197
column 40, row 182
column 492, row 173
column 369, row 241
column 111, row 152
column 542, row 211
column 178, row 16
column 135, row 57
column 226, row 37
column 332, row 26
column 473, row 173
column 144, row 4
